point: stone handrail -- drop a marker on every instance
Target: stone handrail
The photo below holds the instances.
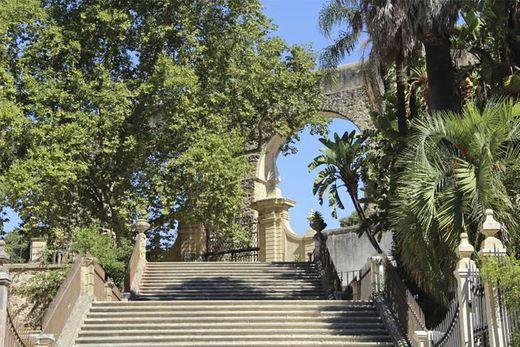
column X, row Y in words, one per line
column 137, row 262
column 59, row 309
column 86, row 282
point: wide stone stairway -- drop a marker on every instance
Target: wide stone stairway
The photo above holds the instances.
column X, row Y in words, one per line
column 232, row 304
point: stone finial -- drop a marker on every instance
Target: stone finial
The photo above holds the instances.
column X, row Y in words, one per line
column 490, row 227
column 316, row 221
column 465, row 248
column 142, row 225
column 491, row 245
column 4, row 257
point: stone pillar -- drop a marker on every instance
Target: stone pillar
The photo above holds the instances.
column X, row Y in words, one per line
column 45, row 340
column 5, row 282
column 463, row 273
column 272, row 214
column 492, row 247
column 142, row 226
column 109, row 287
column 377, row 273
column 38, row 245
column 190, row 243
column 422, row 339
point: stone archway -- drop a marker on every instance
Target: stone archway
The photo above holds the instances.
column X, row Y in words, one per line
column 348, row 99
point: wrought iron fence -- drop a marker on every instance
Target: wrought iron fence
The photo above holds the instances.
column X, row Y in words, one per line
column 447, row 332
column 402, row 302
column 478, row 308
column 16, row 335
column 510, row 321
column 224, row 247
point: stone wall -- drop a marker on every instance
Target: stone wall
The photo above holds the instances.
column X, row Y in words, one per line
column 22, row 273
column 350, row 252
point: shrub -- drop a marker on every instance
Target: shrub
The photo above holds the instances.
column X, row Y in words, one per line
column 39, row 292
column 112, row 256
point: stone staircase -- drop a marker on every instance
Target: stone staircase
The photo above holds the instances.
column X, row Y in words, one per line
column 232, row 304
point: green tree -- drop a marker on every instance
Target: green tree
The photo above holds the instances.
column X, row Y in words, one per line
column 453, row 169
column 114, row 110
column 341, row 160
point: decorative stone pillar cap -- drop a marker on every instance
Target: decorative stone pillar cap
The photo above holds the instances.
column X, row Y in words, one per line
column 5, row 279
column 490, row 227
column 4, row 257
column 142, row 225
column 465, row 248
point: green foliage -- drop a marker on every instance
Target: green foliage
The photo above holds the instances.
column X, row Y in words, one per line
column 506, row 272
column 349, row 221
column 112, row 256
column 39, row 291
column 341, row 159
column 17, row 246
column 111, row 111
column 453, row 169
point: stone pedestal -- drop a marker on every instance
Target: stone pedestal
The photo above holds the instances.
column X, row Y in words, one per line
column 38, row 246
column 466, row 268
column 5, row 282
column 272, row 214
column 190, row 243
column 492, row 247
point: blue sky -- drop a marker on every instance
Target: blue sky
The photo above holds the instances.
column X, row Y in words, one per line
column 297, row 22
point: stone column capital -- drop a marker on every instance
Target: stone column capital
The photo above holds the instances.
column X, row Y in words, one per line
column 491, row 246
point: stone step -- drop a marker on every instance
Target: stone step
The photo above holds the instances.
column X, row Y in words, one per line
column 203, row 290
column 153, row 339
column 231, row 263
column 228, row 285
column 234, row 313
column 234, row 308
column 243, row 344
column 235, row 332
column 221, row 325
column 146, row 297
column 306, row 303
column 224, row 272
column 234, row 320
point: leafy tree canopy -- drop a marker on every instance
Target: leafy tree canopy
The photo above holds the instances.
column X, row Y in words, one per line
column 113, row 110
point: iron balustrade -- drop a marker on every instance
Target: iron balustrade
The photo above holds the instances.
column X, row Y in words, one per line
column 478, row 309
column 16, row 336
column 447, row 332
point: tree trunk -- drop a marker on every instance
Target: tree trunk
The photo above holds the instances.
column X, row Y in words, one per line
column 441, row 75
column 401, row 98
column 362, row 218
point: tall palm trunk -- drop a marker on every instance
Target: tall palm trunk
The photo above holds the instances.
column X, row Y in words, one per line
column 401, row 98
column 441, row 75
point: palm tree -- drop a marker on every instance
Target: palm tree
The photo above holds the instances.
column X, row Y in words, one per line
column 453, row 169
column 395, row 29
column 341, row 159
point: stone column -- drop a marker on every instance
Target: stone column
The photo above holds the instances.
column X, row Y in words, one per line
column 422, row 339
column 5, row 282
column 142, row 226
column 489, row 248
column 466, row 268
column 190, row 243
column 38, row 245
column 272, row 214
column 109, row 287
column 377, row 273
